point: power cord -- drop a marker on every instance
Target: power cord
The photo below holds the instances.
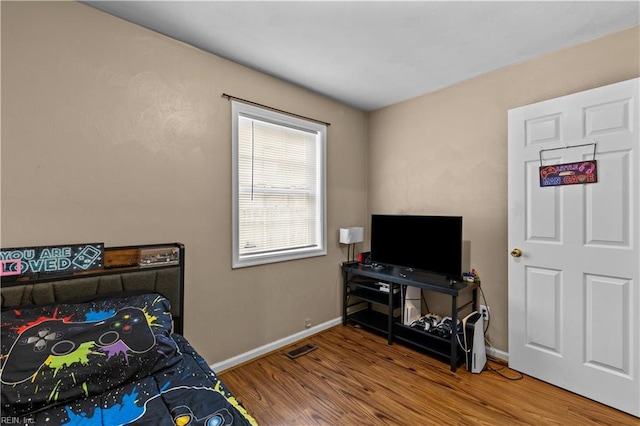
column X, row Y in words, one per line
column 490, row 358
column 484, row 299
column 426, row 305
column 498, row 371
column 464, row 335
column 486, row 325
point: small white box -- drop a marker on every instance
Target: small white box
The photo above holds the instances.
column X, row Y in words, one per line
column 384, row 287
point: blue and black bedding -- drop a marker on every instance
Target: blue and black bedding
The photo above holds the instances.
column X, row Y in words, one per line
column 112, row 361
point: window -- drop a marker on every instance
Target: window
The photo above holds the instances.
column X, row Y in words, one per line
column 279, row 209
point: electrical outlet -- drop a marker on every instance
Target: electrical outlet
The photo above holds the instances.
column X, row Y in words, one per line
column 307, row 322
column 484, row 311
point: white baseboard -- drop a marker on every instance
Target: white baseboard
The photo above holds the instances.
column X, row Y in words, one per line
column 219, row 367
column 497, row 353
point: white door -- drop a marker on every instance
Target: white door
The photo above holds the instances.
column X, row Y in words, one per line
column 574, row 293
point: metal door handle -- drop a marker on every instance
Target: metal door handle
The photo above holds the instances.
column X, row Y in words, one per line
column 516, row 252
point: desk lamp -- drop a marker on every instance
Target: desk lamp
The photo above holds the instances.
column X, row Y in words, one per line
column 351, row 236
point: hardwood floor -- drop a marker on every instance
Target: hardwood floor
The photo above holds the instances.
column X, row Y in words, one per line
column 355, row 378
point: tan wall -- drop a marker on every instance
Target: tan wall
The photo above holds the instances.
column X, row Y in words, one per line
column 446, row 152
column 114, row 133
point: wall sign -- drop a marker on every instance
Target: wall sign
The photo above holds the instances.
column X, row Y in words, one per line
column 569, row 173
column 51, row 259
column 581, row 172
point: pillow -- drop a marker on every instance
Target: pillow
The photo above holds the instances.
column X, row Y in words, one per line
column 57, row 353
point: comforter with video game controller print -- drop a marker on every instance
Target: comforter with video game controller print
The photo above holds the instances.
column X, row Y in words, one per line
column 108, row 362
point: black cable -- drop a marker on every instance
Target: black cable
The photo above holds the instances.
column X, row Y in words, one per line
column 486, row 328
column 484, row 299
column 498, row 371
column 424, row 299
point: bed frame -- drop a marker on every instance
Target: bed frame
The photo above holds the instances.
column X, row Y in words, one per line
column 121, row 272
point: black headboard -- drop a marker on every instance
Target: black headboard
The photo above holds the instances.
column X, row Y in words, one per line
column 123, row 271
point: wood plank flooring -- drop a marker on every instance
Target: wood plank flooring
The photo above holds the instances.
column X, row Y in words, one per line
column 355, row 378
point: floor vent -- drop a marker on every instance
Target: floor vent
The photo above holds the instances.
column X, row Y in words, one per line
column 302, row 350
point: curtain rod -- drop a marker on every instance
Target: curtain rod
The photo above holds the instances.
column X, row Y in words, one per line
column 229, row 97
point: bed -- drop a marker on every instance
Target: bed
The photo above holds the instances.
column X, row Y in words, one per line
column 106, row 347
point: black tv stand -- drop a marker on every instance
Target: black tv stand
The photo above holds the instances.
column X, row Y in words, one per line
column 363, row 284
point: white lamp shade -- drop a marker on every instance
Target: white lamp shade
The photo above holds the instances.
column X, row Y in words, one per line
column 351, row 235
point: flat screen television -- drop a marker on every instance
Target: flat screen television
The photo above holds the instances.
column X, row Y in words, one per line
column 428, row 243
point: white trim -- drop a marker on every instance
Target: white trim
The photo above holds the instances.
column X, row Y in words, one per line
column 242, row 109
column 497, row 353
column 219, row 367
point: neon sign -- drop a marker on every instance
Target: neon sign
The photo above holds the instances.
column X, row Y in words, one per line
column 52, row 259
column 581, row 172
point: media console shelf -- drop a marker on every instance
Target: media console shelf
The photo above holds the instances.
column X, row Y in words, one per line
column 363, row 283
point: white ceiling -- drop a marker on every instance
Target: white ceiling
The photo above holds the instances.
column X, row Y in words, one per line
column 371, row 54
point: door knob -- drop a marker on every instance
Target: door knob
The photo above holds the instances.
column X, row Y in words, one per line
column 516, row 252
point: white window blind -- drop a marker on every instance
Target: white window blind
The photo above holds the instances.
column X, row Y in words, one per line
column 279, row 186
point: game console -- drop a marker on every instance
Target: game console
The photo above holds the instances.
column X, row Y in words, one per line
column 473, row 342
column 412, row 308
